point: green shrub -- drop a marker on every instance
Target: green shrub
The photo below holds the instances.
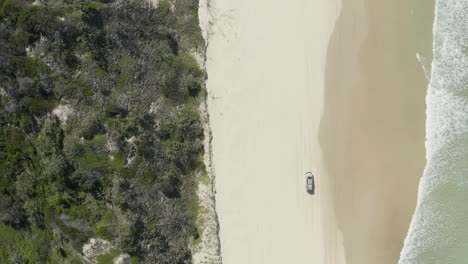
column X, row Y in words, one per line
column 42, row 106
column 10, row 8
column 103, row 227
column 50, row 139
column 26, row 123
column 113, row 110
column 126, row 68
column 86, row 207
column 18, row 247
column 19, row 40
column 40, row 20
column 80, row 88
column 26, row 66
column 109, row 257
column 76, row 260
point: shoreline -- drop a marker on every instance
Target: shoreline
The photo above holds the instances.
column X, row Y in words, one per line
column 438, row 229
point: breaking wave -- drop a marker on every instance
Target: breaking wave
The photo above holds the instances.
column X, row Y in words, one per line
column 438, row 232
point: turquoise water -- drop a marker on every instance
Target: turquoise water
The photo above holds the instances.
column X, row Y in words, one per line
column 438, row 233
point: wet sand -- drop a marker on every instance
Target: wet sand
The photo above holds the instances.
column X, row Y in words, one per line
column 372, row 130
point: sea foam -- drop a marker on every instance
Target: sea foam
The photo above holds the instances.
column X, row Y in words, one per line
column 438, row 233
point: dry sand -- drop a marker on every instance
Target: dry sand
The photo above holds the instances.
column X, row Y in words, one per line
column 269, row 63
column 265, row 67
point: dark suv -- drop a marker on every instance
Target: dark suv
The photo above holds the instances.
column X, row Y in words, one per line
column 310, row 183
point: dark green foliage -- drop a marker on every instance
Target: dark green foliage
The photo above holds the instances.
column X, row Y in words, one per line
column 38, row 20
column 108, row 258
column 22, row 247
column 112, row 110
column 10, row 8
column 114, row 169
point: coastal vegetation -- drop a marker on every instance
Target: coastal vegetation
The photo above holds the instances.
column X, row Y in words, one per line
column 100, row 132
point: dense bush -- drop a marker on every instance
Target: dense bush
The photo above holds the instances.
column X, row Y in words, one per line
column 100, row 134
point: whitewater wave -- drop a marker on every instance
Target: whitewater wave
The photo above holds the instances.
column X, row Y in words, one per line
column 438, row 232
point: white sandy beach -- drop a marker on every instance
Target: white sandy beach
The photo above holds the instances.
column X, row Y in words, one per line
column 265, row 83
column 281, row 77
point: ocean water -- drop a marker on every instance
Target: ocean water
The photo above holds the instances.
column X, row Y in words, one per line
column 438, row 232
